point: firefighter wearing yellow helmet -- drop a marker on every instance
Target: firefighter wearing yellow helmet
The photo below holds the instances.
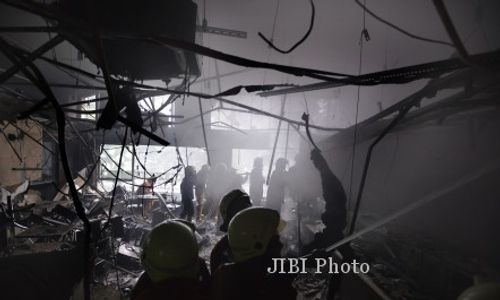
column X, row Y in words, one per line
column 254, row 241
column 171, row 263
column 251, row 232
column 230, row 205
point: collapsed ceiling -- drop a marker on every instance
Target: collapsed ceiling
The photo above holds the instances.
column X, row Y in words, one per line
column 343, row 76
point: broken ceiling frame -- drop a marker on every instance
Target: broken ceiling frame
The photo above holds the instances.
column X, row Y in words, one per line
column 452, row 32
column 200, row 28
column 473, row 81
column 400, row 75
column 117, row 175
column 411, row 72
column 40, row 82
column 227, row 101
column 62, row 18
column 363, row 6
column 368, row 79
column 454, row 64
column 28, row 61
column 30, row 58
column 463, row 79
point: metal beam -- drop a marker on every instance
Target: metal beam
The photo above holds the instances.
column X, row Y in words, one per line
column 221, row 75
column 222, row 31
column 31, row 57
column 283, row 101
column 202, row 117
column 301, row 89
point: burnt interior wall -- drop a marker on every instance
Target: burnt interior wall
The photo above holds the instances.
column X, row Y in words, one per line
column 14, row 169
column 457, row 231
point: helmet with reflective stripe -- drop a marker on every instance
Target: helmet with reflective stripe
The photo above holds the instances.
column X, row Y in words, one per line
column 231, row 204
column 170, row 251
column 251, row 231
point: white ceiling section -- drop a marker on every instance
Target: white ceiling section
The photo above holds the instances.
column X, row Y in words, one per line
column 333, row 45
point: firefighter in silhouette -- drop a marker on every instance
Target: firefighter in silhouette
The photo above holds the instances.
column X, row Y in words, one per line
column 277, row 184
column 187, row 195
column 257, row 182
column 230, row 205
column 199, row 189
column 335, row 215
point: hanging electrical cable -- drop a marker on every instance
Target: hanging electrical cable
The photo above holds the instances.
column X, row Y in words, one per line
column 110, row 158
column 275, row 145
column 363, row 37
column 139, row 185
column 414, row 36
column 305, row 117
column 117, row 175
column 136, row 157
column 143, row 190
column 273, row 30
column 270, row 42
column 204, row 132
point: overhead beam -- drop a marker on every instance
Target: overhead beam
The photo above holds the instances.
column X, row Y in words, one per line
column 301, row 89
column 222, row 31
column 30, row 58
column 221, row 76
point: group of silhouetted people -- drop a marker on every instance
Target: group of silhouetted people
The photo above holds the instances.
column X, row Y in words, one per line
column 239, row 260
column 211, row 184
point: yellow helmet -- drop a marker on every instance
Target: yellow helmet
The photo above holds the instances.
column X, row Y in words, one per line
column 483, row 291
column 231, row 204
column 170, row 251
column 250, row 232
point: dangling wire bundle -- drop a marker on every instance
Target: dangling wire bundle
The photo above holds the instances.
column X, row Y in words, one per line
column 311, row 25
column 305, row 118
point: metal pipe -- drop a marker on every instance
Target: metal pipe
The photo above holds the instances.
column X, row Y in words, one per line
column 276, row 140
column 452, row 32
column 204, row 132
column 286, row 142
